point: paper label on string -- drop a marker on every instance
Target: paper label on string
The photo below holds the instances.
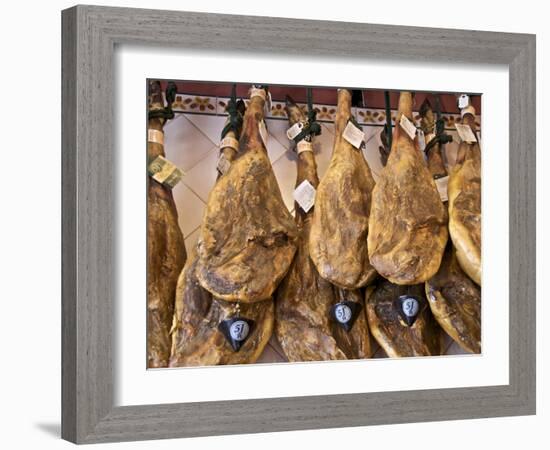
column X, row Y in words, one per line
column 155, row 136
column 463, row 101
column 165, row 172
column 267, row 104
column 294, row 130
column 354, row 135
column 441, row 184
column 304, row 195
column 263, row 132
column 465, row 133
column 408, row 126
column 223, row 164
column 304, row 146
column 230, row 142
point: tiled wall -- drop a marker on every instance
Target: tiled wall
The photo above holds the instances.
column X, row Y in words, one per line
column 191, row 142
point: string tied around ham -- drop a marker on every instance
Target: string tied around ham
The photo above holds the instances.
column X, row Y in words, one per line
column 235, row 110
column 165, row 113
column 311, row 127
column 439, row 128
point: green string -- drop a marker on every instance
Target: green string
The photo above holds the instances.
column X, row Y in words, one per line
column 440, row 136
column 166, row 113
column 311, row 127
column 235, row 117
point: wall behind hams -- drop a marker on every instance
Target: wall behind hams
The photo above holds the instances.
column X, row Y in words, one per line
column 30, row 227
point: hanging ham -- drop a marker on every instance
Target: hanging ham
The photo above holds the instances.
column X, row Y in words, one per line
column 303, row 325
column 248, row 237
column 408, row 222
column 197, row 336
column 165, row 246
column 464, row 191
column 340, row 225
column 401, row 321
column 433, row 150
column 455, row 301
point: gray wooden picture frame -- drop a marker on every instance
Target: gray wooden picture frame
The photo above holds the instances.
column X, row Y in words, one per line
column 90, row 34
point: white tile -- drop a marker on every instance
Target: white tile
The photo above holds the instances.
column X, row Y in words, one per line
column 372, row 152
column 285, row 171
column 371, row 131
column 191, row 241
column 269, row 356
column 190, row 209
column 455, row 349
column 202, row 176
column 277, row 129
column 322, row 146
column 451, row 149
column 277, row 347
column 211, row 126
column 328, row 126
column 185, row 145
column 274, row 148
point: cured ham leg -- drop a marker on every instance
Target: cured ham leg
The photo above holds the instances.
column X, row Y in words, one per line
column 401, row 321
column 455, row 301
column 433, row 150
column 408, row 222
column 196, row 337
column 248, row 237
column 464, row 191
column 165, row 246
column 340, row 225
column 303, row 323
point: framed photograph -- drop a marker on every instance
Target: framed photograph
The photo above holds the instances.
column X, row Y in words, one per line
column 286, row 232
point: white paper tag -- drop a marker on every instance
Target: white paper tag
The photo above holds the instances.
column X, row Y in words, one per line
column 230, row 142
column 465, row 133
column 463, row 101
column 263, row 132
column 267, row 105
column 155, row 136
column 223, row 164
column 421, row 140
column 165, row 172
column 408, row 126
column 441, row 184
column 355, row 136
column 304, row 146
column 304, row 195
column 294, row 130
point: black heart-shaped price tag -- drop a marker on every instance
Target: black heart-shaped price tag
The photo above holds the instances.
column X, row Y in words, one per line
column 236, row 331
column 408, row 307
column 345, row 313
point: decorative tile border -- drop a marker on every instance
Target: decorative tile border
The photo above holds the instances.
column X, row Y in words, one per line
column 325, row 113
